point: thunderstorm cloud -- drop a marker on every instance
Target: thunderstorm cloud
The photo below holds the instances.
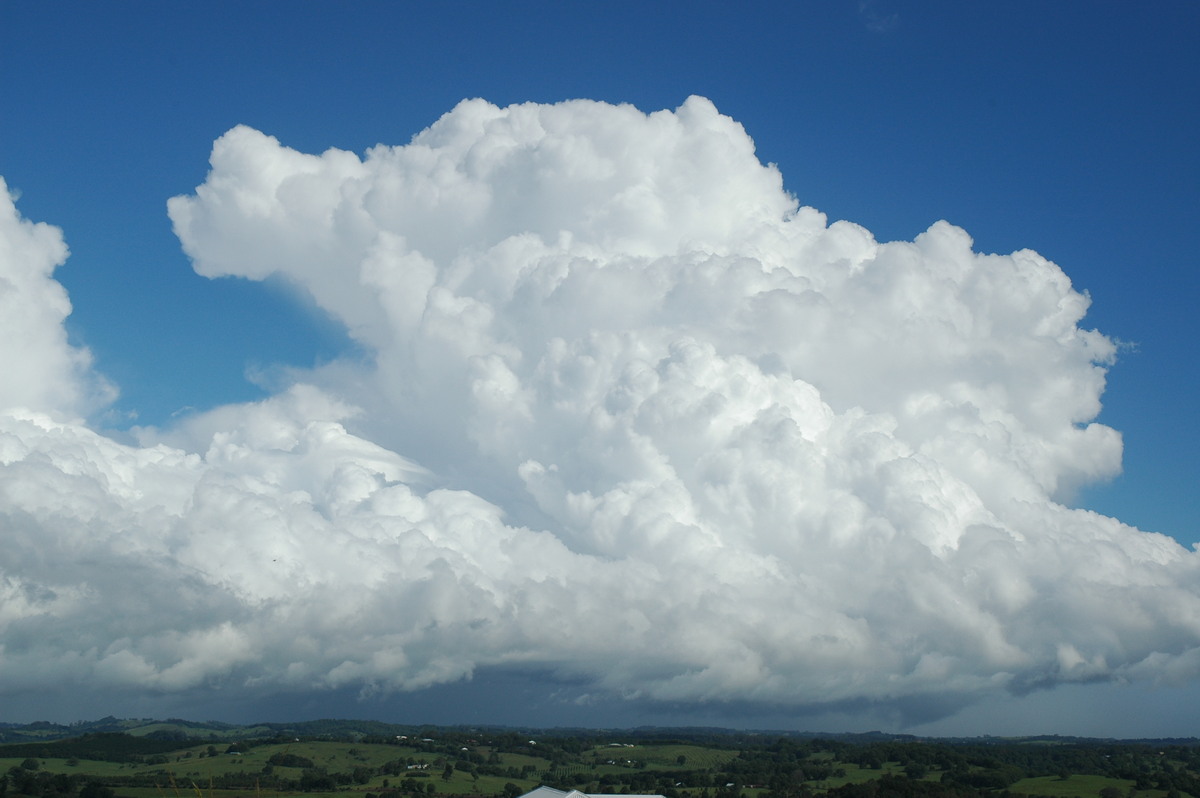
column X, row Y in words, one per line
column 620, row 409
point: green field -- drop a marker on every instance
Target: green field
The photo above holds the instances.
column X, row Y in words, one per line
column 146, row 764
column 1079, row 785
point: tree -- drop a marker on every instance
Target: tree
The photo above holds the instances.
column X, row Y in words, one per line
column 315, row 780
column 448, row 773
column 916, row 770
column 94, row 789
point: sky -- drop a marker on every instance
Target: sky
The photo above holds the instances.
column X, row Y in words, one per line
column 823, row 366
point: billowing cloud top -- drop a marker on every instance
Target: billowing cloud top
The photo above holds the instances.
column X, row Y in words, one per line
column 41, row 370
column 626, row 412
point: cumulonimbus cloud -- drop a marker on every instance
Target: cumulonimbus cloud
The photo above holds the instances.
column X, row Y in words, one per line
column 627, row 411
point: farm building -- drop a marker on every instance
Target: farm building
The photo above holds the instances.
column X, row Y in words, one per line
column 550, row 792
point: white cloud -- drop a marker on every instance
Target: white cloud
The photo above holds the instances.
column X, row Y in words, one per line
column 41, row 370
column 630, row 413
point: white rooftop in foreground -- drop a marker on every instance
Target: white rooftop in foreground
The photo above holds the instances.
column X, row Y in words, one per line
column 550, row 792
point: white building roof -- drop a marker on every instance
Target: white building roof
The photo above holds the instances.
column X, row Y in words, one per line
column 550, row 792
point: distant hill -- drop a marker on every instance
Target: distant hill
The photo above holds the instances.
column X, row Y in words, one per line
column 177, row 729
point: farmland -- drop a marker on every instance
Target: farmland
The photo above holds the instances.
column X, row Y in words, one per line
column 177, row 759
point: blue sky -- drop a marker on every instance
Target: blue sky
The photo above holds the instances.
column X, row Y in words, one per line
column 1066, row 128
